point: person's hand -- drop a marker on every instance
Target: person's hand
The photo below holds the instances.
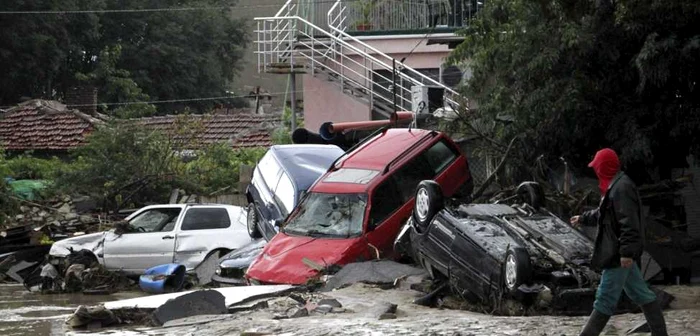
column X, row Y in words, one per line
column 626, row 262
column 575, row 221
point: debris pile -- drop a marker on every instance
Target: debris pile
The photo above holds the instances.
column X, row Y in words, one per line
column 56, row 219
column 79, row 272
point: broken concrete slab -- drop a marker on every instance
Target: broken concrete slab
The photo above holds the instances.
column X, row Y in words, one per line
column 192, row 304
column 233, row 295
column 207, row 268
column 194, row 320
column 92, row 317
column 382, row 311
column 373, row 272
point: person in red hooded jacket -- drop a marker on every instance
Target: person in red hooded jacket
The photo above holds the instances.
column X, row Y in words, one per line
column 618, row 247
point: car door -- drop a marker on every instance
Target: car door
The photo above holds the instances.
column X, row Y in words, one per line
column 385, row 209
column 440, row 237
column 282, row 205
column 471, row 265
column 151, row 243
column 397, row 197
column 207, row 228
column 270, row 172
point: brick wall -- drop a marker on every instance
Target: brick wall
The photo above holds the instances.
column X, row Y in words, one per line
column 82, row 98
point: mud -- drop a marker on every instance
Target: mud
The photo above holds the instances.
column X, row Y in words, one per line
column 30, row 314
column 411, row 319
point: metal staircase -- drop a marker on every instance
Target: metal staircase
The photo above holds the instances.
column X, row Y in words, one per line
column 290, row 43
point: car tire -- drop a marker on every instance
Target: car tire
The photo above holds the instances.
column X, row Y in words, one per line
column 516, row 270
column 531, row 193
column 429, row 201
column 252, row 219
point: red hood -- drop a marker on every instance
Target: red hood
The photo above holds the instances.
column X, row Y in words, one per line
column 281, row 260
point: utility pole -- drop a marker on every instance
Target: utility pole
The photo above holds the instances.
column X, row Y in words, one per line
column 293, row 87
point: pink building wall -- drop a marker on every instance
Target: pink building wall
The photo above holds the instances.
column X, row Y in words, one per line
column 324, row 101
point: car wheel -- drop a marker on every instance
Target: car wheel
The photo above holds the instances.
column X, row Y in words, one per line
column 253, row 228
column 516, row 269
column 531, row 193
column 429, row 200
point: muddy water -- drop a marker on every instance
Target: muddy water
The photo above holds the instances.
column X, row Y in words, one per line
column 23, row 313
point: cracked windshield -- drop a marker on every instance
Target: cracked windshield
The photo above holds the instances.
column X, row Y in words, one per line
column 334, row 215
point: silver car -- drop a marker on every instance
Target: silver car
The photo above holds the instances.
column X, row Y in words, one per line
column 162, row 234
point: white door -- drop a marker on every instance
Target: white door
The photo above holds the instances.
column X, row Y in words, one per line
column 207, row 228
column 151, row 243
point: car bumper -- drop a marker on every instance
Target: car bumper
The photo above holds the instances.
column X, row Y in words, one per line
column 229, row 281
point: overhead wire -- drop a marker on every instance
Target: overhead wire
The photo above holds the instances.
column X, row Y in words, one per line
column 170, row 9
column 166, row 101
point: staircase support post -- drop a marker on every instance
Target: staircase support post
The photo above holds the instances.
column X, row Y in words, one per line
column 293, row 88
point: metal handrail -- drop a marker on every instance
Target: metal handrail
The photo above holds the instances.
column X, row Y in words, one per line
column 276, row 52
column 338, row 53
column 341, row 32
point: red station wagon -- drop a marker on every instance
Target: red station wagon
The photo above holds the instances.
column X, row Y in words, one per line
column 356, row 209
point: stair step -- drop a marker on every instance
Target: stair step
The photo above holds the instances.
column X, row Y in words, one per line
column 286, row 71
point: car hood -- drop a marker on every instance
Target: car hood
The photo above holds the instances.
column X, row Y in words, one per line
column 242, row 257
column 281, row 260
column 92, row 242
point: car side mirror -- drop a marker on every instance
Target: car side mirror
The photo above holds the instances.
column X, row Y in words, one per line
column 279, row 222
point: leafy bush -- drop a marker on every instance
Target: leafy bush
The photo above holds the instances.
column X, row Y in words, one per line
column 217, row 166
column 27, row 167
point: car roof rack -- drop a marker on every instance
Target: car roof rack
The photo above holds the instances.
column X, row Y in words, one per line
column 404, row 153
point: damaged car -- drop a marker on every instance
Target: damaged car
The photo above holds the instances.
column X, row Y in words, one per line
column 355, row 210
column 162, row 234
column 487, row 251
column 280, row 179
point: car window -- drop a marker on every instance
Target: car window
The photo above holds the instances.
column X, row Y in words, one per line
column 439, row 156
column 205, row 219
column 384, row 202
column 425, row 166
column 155, row 220
column 284, row 194
column 333, row 215
column 409, row 175
column 269, row 169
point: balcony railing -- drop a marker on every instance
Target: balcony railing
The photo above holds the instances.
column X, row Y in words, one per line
column 367, row 16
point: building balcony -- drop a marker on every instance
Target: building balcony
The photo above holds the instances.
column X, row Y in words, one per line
column 388, row 17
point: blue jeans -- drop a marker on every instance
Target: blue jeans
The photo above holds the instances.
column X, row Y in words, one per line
column 614, row 281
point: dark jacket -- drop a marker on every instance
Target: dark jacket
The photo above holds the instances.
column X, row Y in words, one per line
column 619, row 221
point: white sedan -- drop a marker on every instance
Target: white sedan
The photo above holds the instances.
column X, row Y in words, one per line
column 161, row 234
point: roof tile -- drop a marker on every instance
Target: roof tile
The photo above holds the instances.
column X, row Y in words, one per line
column 41, row 125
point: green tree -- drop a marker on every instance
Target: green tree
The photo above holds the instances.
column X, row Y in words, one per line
column 116, row 86
column 40, row 53
column 574, row 76
column 178, row 55
column 123, row 165
column 217, row 167
column 157, row 55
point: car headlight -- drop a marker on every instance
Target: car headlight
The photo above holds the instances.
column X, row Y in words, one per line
column 218, row 271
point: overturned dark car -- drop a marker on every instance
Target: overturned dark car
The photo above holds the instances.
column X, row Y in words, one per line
column 490, row 251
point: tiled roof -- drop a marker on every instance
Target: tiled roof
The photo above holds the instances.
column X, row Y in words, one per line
column 241, row 130
column 44, row 125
